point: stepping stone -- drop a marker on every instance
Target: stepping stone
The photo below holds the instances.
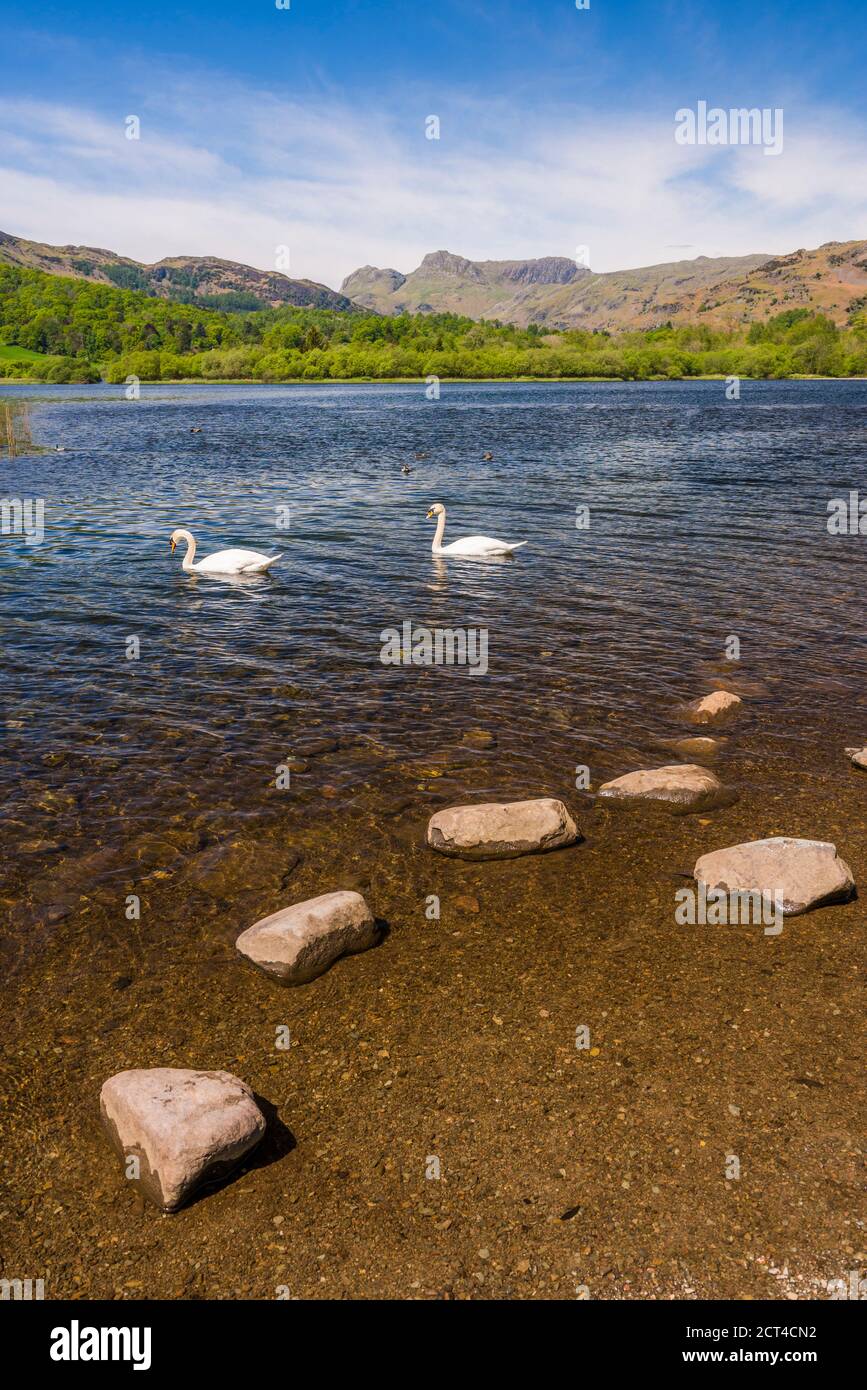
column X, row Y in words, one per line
column 502, row 830
column 683, row 785
column 806, row 873
column 184, row 1127
column 300, row 942
column 717, row 708
column 858, row 756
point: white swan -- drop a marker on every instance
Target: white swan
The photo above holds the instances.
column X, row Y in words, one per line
column 225, row 561
column 468, row 545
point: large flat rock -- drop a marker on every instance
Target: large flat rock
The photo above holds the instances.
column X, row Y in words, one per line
column 806, row 873
column 184, row 1127
column 858, row 756
column 715, row 709
column 502, row 830
column 685, row 786
column 299, row 942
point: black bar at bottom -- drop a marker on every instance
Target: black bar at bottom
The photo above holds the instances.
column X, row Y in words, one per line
column 70, row 1338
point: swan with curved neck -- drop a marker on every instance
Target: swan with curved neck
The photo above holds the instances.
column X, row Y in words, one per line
column 468, row 545
column 224, row 561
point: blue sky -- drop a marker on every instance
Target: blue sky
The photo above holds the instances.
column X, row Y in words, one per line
column 305, row 128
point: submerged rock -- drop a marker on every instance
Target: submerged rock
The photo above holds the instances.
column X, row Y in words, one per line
column 441, row 762
column 300, row 942
column 683, row 785
column 479, row 738
column 314, row 746
column 805, row 873
column 858, row 756
column 184, row 1127
column 467, row 902
column 716, row 708
column 694, row 747
column 502, row 830
column 223, row 869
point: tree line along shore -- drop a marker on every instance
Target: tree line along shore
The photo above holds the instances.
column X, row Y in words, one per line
column 56, row 330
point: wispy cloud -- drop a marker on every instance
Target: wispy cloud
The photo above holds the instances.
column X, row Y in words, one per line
column 241, row 173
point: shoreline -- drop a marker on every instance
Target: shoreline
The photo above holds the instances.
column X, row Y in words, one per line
column 420, row 380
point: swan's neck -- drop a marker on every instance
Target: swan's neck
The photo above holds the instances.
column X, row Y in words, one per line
column 191, row 551
column 441, row 526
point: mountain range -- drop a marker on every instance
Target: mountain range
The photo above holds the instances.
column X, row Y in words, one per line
column 558, row 293
column 552, row 291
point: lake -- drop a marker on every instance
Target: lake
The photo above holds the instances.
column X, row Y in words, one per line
column 148, row 714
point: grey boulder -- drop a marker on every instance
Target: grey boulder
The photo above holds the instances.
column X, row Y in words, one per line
column 300, row 942
column 183, row 1127
column 805, row 873
column 502, row 830
column 685, row 786
column 717, row 708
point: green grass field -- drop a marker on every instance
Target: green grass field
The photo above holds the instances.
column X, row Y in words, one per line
column 10, row 353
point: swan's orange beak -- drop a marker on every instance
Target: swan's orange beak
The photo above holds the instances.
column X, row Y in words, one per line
column 173, row 543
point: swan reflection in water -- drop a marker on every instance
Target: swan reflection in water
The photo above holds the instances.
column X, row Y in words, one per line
column 466, row 568
column 255, row 587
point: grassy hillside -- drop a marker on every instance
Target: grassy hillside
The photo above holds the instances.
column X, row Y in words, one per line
column 204, row 280
column 73, row 330
column 10, row 353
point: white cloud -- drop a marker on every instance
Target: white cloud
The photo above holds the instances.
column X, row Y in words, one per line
column 238, row 175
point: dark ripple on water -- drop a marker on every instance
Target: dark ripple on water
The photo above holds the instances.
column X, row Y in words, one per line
column 708, row 518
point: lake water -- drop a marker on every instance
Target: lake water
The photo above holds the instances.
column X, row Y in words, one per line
column 707, row 518
column 156, row 776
